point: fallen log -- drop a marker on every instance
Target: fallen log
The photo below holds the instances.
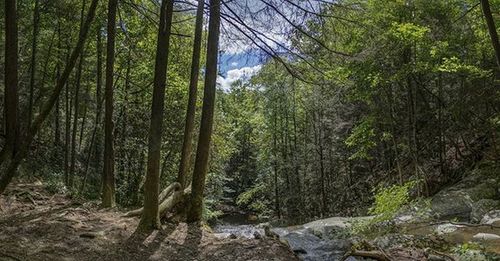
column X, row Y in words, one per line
column 173, row 200
column 162, row 198
column 166, row 192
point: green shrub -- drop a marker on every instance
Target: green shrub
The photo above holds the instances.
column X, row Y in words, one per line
column 254, row 199
column 209, row 213
column 388, row 202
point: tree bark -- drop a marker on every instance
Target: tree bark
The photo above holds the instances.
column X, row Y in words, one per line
column 277, row 207
column 203, row 150
column 193, row 89
column 485, row 5
column 76, row 103
column 67, row 135
column 108, row 178
column 150, row 216
column 11, row 97
column 84, row 116
column 57, row 134
column 8, row 169
column 36, row 26
column 98, row 109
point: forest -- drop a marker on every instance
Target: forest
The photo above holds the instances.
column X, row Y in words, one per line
column 249, row 130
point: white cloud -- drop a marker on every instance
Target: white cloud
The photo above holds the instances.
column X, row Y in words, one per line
column 234, row 64
column 243, row 74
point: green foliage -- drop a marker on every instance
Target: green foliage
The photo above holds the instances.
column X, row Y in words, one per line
column 389, row 200
column 466, row 248
column 254, row 199
column 362, row 139
column 454, row 65
column 209, row 213
column 417, row 77
column 408, row 32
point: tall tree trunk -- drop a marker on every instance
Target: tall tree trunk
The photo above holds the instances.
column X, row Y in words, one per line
column 207, row 117
column 277, row 207
column 108, row 178
column 67, row 135
column 57, row 120
column 11, row 98
column 36, row 26
column 492, row 29
column 324, row 203
column 150, row 216
column 8, row 169
column 76, row 103
column 84, row 116
column 95, row 137
column 193, row 88
column 57, row 135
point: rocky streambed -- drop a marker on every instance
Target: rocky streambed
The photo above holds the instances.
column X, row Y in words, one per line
column 462, row 222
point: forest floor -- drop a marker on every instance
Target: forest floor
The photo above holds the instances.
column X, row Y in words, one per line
column 37, row 225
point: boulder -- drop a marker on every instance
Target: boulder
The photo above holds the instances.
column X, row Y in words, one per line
column 451, row 204
column 491, row 218
column 486, row 237
column 481, row 208
column 470, row 198
column 310, row 247
column 334, row 227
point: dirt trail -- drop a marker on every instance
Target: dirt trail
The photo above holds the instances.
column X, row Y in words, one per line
column 35, row 225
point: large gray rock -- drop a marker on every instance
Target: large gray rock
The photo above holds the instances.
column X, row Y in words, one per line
column 469, row 198
column 491, row 218
column 310, row 247
column 334, row 227
column 481, row 208
column 486, row 237
column 452, row 205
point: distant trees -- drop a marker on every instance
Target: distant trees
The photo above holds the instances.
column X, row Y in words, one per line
column 405, row 107
column 9, row 168
column 353, row 95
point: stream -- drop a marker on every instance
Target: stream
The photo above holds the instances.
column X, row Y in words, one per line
column 305, row 240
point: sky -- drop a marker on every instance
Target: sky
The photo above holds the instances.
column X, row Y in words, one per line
column 240, row 57
column 238, row 66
